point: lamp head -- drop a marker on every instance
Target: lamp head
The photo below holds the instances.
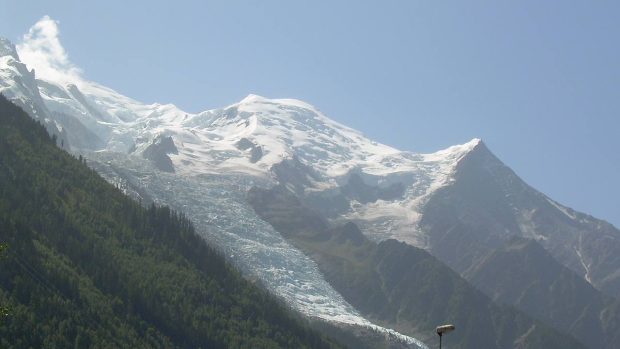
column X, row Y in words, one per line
column 444, row 329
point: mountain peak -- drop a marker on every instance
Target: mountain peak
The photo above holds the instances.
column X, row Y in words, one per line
column 474, row 144
column 251, row 98
column 7, row 48
column 478, row 161
column 254, row 99
column 477, row 146
column 476, row 141
column 456, row 152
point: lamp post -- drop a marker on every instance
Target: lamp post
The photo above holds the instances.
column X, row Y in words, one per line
column 443, row 329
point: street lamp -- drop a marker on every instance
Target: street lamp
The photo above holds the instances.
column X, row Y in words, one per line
column 444, row 329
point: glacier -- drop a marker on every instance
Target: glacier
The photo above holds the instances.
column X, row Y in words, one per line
column 215, row 164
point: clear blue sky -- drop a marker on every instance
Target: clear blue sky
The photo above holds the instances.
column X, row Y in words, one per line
column 538, row 81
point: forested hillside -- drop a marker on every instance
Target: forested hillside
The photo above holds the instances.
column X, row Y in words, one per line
column 86, row 267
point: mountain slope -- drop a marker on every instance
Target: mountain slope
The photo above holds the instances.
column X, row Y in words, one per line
column 89, row 267
column 488, row 204
column 399, row 285
column 18, row 84
column 523, row 274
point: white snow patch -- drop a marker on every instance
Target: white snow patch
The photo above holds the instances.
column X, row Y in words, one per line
column 562, row 209
column 585, row 266
column 527, row 225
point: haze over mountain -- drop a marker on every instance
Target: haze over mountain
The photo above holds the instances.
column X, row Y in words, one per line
column 459, row 204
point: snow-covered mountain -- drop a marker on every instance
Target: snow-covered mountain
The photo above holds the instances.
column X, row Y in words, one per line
column 202, row 164
column 458, row 203
column 246, row 138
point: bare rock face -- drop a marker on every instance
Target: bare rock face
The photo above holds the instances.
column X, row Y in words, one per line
column 158, row 152
column 255, row 150
column 358, row 190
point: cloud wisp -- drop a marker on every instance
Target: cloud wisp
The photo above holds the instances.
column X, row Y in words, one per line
column 41, row 49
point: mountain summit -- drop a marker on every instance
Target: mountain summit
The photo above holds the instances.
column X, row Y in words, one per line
column 247, row 137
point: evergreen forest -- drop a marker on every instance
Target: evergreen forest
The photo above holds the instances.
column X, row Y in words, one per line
column 84, row 266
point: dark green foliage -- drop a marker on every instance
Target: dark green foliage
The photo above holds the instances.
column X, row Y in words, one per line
column 400, row 285
column 89, row 268
column 4, row 311
column 3, row 247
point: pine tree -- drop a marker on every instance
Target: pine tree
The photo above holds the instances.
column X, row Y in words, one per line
column 4, row 310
